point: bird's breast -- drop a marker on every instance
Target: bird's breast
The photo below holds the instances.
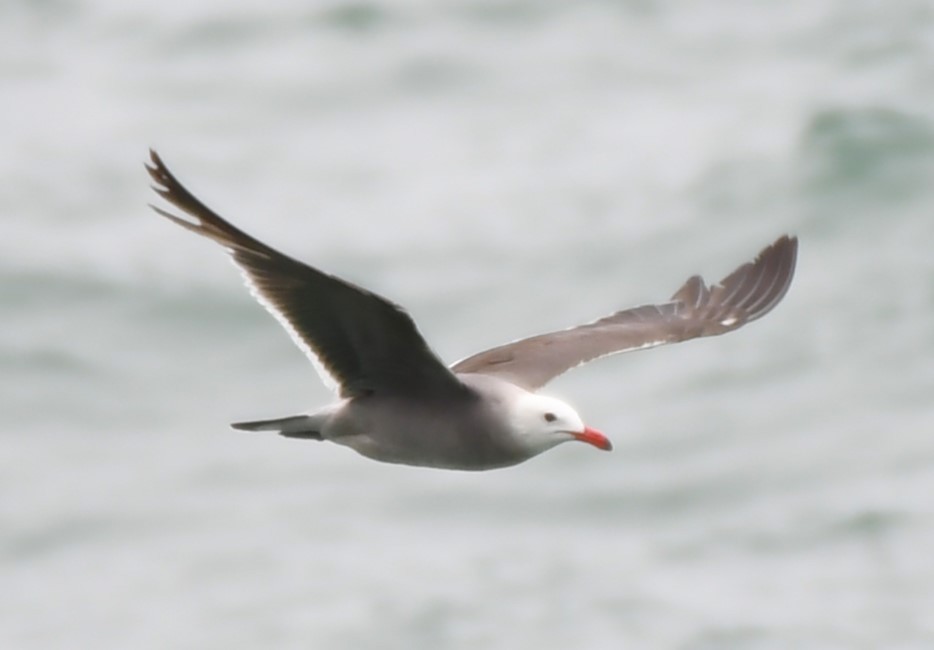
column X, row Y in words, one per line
column 449, row 436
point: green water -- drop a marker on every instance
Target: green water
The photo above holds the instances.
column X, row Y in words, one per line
column 499, row 168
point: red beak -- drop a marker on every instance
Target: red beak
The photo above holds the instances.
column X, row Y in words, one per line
column 595, row 438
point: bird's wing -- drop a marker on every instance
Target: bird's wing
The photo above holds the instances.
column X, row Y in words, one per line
column 358, row 341
column 695, row 310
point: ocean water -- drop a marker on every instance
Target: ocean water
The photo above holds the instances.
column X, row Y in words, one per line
column 501, row 168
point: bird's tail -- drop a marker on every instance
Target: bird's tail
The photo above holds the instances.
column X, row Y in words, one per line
column 294, row 426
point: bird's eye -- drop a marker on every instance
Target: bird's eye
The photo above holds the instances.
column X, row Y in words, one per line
column 550, row 417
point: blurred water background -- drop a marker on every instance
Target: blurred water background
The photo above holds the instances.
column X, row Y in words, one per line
column 500, row 167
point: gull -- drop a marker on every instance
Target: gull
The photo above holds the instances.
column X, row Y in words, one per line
column 397, row 402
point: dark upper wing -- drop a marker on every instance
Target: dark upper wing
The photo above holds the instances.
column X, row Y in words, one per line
column 357, row 340
column 748, row 293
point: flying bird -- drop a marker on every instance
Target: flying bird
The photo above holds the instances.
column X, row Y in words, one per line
column 397, row 402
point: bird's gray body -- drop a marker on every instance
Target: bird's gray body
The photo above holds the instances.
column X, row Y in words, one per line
column 466, row 432
column 400, row 404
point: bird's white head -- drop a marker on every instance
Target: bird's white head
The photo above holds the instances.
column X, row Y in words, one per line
column 540, row 422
